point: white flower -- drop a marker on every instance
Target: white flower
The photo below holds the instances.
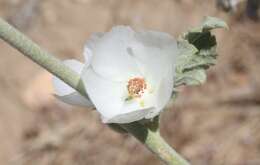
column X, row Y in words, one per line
column 128, row 75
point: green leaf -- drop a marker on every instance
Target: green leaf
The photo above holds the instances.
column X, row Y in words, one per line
column 192, row 77
column 197, row 52
column 211, row 23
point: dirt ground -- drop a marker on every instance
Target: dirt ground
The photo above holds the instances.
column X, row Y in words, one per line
column 214, row 124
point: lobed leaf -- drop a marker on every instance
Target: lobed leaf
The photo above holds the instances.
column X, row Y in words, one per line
column 197, row 52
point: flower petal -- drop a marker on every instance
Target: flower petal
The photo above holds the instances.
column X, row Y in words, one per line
column 111, row 58
column 66, row 93
column 90, row 45
column 155, row 53
column 109, row 98
column 106, row 95
column 162, row 93
column 129, row 117
column 133, row 110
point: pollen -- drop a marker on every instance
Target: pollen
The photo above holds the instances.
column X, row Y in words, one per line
column 136, row 87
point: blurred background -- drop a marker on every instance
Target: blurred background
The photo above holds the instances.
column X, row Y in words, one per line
column 214, row 124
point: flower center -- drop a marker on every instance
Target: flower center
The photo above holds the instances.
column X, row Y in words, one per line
column 136, row 87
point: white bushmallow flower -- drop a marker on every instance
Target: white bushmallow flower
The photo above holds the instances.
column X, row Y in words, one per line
column 128, row 75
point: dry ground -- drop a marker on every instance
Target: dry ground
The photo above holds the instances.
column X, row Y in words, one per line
column 214, row 124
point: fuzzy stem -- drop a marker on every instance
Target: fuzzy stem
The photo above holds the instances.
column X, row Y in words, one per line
column 155, row 143
column 40, row 56
column 151, row 139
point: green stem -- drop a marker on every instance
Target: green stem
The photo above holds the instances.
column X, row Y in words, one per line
column 155, row 143
column 40, row 56
column 151, row 139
